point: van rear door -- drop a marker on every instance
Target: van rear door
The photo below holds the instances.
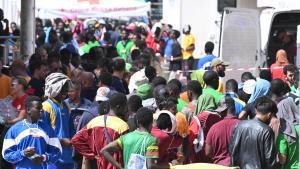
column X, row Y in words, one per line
column 240, row 41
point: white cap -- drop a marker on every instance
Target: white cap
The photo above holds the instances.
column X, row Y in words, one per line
column 102, row 94
column 249, row 86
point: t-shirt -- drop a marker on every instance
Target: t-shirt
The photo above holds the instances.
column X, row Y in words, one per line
column 216, row 94
column 181, row 104
column 204, row 63
column 167, row 144
column 19, row 104
column 118, row 85
column 124, row 49
column 218, row 138
column 132, row 143
column 168, row 47
column 5, row 88
column 187, row 41
column 86, row 48
column 290, row 150
column 36, row 87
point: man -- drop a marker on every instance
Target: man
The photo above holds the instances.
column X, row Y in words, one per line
column 188, row 48
column 194, row 90
column 3, row 32
column 19, row 86
column 289, row 151
column 139, row 77
column 134, row 103
column 204, row 62
column 56, row 114
column 176, row 57
column 219, row 134
column 101, row 131
column 167, row 142
column 290, row 71
column 118, row 74
column 252, row 144
column 31, row 143
column 5, row 83
column 77, row 105
column 37, row 81
column 124, row 46
column 140, row 142
column 211, row 80
column 218, row 66
column 231, row 91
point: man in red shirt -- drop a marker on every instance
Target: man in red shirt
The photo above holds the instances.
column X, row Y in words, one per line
column 18, row 86
column 219, row 134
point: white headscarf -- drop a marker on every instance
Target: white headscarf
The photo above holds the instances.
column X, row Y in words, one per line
column 54, row 84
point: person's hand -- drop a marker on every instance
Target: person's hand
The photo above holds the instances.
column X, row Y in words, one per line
column 29, row 151
column 37, row 159
column 66, row 142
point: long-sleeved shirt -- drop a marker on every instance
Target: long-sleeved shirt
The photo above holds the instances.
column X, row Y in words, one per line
column 23, row 135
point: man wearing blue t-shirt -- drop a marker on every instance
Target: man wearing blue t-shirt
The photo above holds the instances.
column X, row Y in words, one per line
column 204, row 63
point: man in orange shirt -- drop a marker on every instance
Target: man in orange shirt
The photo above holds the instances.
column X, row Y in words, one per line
column 5, row 82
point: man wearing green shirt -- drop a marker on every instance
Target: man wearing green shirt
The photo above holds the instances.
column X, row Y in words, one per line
column 211, row 80
column 288, row 152
column 124, row 46
column 139, row 142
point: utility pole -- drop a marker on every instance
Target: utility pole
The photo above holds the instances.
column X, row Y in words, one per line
column 27, row 28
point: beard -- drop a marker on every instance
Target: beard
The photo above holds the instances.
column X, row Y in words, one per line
column 221, row 74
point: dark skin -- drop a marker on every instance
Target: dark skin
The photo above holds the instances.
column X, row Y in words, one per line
column 59, row 98
column 33, row 115
column 151, row 163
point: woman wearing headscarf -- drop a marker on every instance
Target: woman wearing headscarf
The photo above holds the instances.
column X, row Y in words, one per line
column 277, row 67
column 261, row 89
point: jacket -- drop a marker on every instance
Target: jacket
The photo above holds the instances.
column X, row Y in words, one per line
column 252, row 146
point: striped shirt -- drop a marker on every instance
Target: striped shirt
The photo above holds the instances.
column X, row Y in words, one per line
column 23, row 135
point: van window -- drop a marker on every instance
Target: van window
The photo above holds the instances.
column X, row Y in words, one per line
column 283, row 35
column 226, row 3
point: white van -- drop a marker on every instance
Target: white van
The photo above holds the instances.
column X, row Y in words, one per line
column 249, row 38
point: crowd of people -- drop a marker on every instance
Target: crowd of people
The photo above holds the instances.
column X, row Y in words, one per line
column 97, row 95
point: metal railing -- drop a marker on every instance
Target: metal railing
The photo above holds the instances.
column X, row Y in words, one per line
column 10, row 48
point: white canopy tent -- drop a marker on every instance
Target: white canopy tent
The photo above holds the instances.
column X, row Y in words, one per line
column 91, row 8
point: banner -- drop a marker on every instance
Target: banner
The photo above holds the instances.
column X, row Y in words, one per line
column 91, row 8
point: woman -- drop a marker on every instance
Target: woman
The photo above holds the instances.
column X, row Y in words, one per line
column 277, row 67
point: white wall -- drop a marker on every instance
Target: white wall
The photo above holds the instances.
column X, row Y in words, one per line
column 202, row 15
column 11, row 10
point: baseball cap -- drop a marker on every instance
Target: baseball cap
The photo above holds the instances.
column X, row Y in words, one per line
column 218, row 61
column 102, row 94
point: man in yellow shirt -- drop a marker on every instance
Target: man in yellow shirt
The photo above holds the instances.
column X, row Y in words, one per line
column 188, row 47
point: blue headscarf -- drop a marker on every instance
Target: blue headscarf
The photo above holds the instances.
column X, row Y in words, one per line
column 261, row 89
